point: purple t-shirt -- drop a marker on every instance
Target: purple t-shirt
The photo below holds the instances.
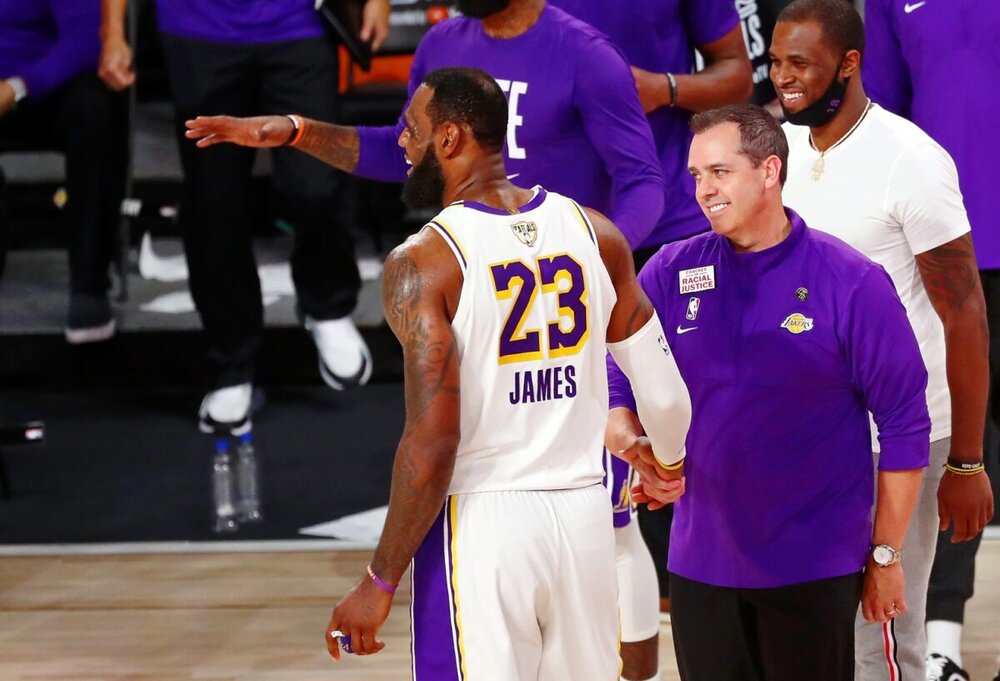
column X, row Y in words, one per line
column 938, row 64
column 240, row 21
column 576, row 125
column 660, row 36
column 48, row 42
column 784, row 352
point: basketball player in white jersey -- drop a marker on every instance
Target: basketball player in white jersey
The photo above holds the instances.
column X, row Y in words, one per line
column 505, row 305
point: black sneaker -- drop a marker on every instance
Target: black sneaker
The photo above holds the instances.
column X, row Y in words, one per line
column 91, row 319
column 942, row 668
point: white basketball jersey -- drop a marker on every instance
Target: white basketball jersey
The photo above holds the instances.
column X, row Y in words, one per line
column 531, row 327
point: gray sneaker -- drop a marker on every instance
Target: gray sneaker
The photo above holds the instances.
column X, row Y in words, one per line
column 91, row 319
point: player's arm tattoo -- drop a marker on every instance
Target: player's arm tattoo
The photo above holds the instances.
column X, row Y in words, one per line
column 949, row 272
column 336, row 145
column 425, row 457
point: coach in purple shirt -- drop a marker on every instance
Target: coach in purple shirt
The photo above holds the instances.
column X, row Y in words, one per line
column 786, row 339
column 50, row 98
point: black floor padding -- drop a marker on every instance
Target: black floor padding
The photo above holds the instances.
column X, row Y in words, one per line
column 128, row 464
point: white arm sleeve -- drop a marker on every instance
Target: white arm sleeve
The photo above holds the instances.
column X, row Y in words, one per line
column 661, row 398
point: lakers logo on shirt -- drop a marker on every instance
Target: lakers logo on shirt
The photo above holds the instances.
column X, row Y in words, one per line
column 526, row 232
column 797, row 323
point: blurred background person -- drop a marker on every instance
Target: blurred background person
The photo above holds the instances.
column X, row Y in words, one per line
column 934, row 63
column 50, row 98
column 262, row 57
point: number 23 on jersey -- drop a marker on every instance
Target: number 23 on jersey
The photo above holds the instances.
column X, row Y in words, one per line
column 559, row 274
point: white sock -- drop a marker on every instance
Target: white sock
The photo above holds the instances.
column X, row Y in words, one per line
column 945, row 638
column 652, row 678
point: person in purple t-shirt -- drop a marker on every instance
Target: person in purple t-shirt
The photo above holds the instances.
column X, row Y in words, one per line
column 50, row 98
column 244, row 58
column 928, row 62
column 786, row 338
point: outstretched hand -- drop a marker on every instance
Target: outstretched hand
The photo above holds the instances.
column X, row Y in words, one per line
column 258, row 131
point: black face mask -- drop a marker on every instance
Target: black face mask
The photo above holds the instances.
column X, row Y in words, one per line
column 479, row 9
column 424, row 188
column 823, row 109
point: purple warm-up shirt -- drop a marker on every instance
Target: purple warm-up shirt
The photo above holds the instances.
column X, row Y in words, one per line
column 938, row 64
column 48, row 42
column 784, row 352
column 240, row 21
column 576, row 125
column 661, row 36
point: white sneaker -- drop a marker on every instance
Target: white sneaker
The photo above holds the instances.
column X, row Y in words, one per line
column 226, row 410
column 344, row 358
column 943, row 668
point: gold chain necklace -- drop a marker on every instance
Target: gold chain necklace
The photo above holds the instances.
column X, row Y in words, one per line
column 819, row 165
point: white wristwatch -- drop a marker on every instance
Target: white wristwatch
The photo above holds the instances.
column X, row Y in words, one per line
column 884, row 555
column 20, row 89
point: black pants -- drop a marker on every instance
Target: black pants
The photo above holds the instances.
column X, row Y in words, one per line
column 87, row 122
column 803, row 631
column 954, row 570
column 297, row 76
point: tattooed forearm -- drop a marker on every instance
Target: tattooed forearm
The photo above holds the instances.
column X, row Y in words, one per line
column 950, row 273
column 336, row 145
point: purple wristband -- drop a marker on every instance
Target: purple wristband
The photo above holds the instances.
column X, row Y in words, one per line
column 385, row 586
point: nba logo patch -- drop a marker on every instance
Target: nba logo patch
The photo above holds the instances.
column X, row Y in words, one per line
column 526, row 232
column 693, row 306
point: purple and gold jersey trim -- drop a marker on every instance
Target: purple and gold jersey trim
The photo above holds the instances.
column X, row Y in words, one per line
column 586, row 222
column 449, row 236
column 534, row 203
column 436, row 645
column 618, row 482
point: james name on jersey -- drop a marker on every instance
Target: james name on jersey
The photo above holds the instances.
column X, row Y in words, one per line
column 540, row 385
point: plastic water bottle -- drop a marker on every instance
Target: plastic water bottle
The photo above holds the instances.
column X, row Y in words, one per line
column 247, row 480
column 222, row 488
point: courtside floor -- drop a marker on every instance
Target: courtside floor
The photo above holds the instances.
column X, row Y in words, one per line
column 248, row 611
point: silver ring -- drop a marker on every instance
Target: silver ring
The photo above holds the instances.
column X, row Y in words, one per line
column 336, row 633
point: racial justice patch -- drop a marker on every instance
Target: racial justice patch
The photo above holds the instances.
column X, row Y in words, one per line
column 697, row 279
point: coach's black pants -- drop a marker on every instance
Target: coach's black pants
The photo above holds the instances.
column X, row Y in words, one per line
column 298, row 76
column 803, row 631
column 87, row 122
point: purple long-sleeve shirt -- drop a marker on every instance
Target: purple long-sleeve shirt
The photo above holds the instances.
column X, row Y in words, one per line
column 576, row 125
column 240, row 21
column 784, row 353
column 938, row 64
column 48, row 42
column 661, row 36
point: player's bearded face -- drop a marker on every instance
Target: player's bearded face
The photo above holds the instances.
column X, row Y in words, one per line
column 479, row 9
column 424, row 188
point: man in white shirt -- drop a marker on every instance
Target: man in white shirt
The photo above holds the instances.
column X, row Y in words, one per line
column 885, row 187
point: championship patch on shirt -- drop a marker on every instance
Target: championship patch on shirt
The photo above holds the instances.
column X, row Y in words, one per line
column 697, row 279
column 526, row 232
column 797, row 323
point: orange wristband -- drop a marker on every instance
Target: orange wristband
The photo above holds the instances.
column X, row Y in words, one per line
column 297, row 132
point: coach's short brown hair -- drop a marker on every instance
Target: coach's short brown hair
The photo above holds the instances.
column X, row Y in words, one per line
column 760, row 134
